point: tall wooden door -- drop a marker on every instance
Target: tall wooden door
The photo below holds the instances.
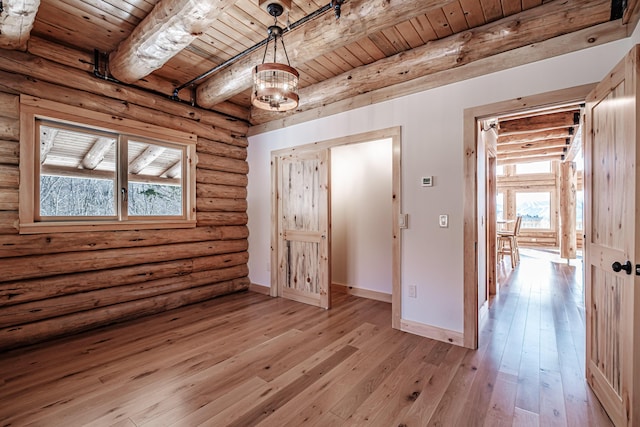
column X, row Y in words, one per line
column 304, row 227
column 612, row 242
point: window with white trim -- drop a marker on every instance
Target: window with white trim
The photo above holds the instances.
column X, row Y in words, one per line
column 86, row 170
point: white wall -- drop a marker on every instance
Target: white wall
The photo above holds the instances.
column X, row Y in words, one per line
column 361, row 223
column 432, row 141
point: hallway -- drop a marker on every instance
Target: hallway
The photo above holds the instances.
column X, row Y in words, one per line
column 535, row 332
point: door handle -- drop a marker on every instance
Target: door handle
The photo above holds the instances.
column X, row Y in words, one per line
column 616, row 266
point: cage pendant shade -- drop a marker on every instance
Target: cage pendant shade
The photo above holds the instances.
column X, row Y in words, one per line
column 275, row 87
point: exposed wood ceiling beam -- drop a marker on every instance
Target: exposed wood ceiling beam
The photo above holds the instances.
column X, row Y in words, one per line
column 534, row 136
column 47, row 138
column 16, row 22
column 532, row 159
column 575, row 146
column 170, row 27
column 145, row 158
column 532, row 153
column 518, row 147
column 540, row 112
column 315, row 38
column 96, row 153
column 540, row 123
column 174, row 171
column 529, row 27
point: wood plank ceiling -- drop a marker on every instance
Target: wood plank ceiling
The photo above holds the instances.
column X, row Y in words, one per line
column 373, row 38
column 550, row 134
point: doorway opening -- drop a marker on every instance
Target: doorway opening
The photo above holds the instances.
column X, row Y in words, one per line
column 280, row 255
column 361, row 214
column 482, row 198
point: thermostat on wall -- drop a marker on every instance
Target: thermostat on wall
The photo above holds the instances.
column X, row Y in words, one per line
column 427, row 181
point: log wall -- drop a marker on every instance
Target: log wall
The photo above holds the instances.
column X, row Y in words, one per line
column 62, row 283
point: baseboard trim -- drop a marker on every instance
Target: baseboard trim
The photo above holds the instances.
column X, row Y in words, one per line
column 260, row 289
column 433, row 332
column 362, row 293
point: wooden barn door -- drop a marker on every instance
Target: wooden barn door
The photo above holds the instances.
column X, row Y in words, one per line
column 303, row 227
column 612, row 243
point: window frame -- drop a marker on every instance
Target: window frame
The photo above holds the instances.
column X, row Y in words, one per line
column 34, row 109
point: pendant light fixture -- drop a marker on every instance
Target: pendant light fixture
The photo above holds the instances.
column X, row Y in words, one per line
column 275, row 85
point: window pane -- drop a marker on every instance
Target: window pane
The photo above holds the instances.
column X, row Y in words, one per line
column 77, row 173
column 579, row 210
column 500, row 206
column 533, row 167
column 155, row 180
column 579, row 162
column 535, row 209
column 500, row 170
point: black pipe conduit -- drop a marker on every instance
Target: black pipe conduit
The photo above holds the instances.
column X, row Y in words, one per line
column 103, row 75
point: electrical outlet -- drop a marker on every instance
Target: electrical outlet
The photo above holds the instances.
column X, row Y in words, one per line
column 413, row 291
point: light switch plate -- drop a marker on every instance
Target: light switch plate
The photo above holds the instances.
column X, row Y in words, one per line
column 443, row 221
column 404, row 221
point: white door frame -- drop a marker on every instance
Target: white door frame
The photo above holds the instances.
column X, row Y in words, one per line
column 393, row 133
column 470, row 193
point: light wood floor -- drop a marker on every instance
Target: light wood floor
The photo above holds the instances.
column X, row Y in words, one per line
column 247, row 360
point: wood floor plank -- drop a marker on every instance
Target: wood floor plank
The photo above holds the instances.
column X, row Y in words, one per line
column 528, row 392
column 522, row 418
column 502, row 403
column 205, row 412
column 315, row 402
column 162, row 393
column 431, row 395
column 266, row 408
column 398, row 391
column 361, row 392
column 552, row 410
column 212, row 382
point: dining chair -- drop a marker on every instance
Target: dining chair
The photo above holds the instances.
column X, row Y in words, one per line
column 508, row 243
